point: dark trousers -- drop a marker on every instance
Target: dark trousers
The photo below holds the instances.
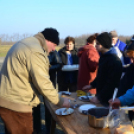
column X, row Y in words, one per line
column 48, row 118
column 37, row 114
column 16, row 122
column 65, row 86
column 48, row 115
column 37, row 119
column 131, row 115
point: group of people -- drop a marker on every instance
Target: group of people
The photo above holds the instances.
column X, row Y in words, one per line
column 32, row 67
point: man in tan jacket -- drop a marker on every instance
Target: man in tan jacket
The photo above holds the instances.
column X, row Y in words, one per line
column 24, row 75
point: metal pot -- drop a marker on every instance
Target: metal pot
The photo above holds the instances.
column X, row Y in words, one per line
column 97, row 117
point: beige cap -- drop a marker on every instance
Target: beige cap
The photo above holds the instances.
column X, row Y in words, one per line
column 113, row 34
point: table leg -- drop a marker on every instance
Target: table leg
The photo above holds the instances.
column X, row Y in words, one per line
column 53, row 126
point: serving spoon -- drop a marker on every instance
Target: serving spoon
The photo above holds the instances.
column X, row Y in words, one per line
column 114, row 96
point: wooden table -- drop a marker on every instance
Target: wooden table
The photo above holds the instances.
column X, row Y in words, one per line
column 75, row 123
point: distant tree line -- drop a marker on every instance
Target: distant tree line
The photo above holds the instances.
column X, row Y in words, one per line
column 5, row 39
column 81, row 40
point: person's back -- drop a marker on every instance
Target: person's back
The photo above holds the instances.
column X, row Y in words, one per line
column 88, row 64
column 15, row 74
column 23, row 76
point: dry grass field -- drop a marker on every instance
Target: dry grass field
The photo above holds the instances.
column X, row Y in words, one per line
column 4, row 49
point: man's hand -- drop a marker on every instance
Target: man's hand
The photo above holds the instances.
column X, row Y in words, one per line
column 115, row 104
column 87, row 87
column 94, row 100
column 66, row 103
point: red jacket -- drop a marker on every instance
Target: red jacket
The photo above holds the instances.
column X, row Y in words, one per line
column 88, row 65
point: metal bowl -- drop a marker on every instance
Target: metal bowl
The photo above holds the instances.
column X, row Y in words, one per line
column 97, row 117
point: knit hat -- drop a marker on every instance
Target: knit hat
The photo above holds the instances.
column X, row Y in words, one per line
column 51, row 34
column 113, row 34
column 105, row 40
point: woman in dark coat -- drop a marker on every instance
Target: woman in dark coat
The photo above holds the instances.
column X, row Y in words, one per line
column 68, row 54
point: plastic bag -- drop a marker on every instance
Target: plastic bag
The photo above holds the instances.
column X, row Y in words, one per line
column 116, row 118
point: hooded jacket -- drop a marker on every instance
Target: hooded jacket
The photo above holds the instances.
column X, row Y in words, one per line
column 25, row 74
column 88, row 65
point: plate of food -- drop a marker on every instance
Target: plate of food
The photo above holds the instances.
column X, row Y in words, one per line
column 70, row 67
column 85, row 107
column 64, row 93
column 64, row 111
column 85, row 98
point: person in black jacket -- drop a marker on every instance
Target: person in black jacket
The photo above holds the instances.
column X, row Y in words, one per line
column 109, row 71
column 127, row 82
column 55, row 65
column 68, row 54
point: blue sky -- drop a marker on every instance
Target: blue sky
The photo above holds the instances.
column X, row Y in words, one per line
column 70, row 17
